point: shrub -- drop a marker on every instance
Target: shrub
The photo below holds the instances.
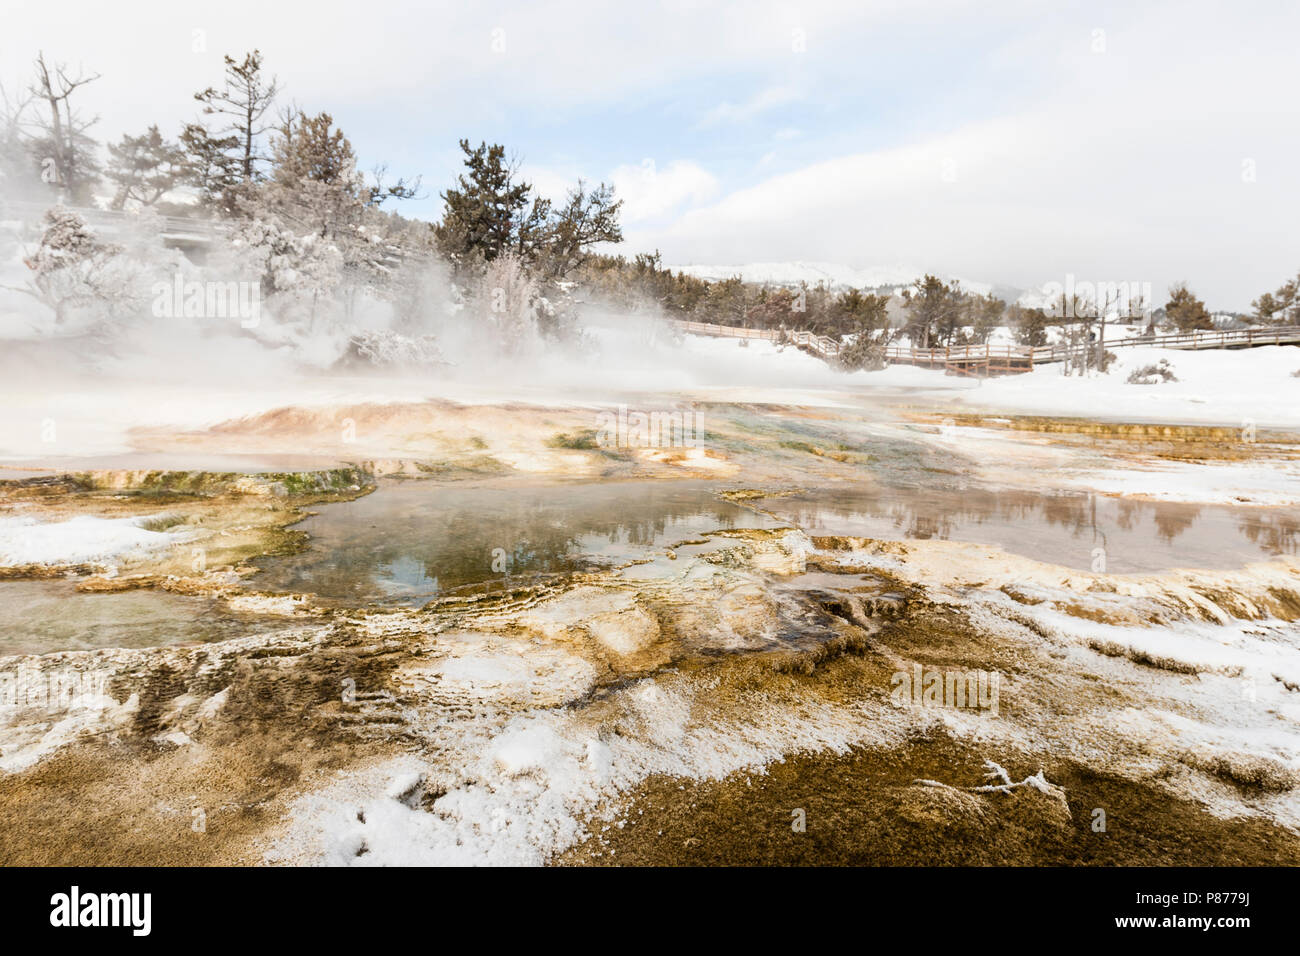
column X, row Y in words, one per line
column 862, row 354
column 1162, row 371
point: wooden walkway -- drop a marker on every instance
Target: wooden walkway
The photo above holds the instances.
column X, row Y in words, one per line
column 985, row 360
column 190, row 235
column 176, row 231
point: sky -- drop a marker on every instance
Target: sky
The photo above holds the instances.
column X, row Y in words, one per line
column 1006, row 141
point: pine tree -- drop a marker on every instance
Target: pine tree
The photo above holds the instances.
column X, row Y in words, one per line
column 244, row 98
column 483, row 214
column 1281, row 307
column 934, row 310
column 587, row 218
column 210, row 167
column 987, row 314
column 145, row 168
column 1185, row 311
column 1030, row 325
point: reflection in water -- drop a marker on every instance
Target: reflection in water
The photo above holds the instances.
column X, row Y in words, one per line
column 1060, row 529
column 412, row 540
column 37, row 617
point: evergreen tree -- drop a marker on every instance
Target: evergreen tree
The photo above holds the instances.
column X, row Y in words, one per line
column 934, row 310
column 587, row 218
column 210, row 166
column 1185, row 311
column 1281, row 307
column 986, row 315
column 144, row 168
column 489, row 213
column 1030, row 325
column 483, row 215
column 244, row 98
column 725, row 302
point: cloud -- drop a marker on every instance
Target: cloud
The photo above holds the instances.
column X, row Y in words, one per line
column 1123, row 163
column 649, row 192
column 1129, row 167
column 768, row 99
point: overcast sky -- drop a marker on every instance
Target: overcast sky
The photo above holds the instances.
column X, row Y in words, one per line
column 1007, row 141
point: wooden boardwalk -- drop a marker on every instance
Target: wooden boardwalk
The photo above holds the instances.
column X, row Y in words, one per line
column 176, row 231
column 190, row 235
column 1009, row 359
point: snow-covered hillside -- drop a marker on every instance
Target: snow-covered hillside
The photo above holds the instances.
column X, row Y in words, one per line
column 836, row 276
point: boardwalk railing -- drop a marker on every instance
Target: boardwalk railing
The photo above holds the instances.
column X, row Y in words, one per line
column 970, row 359
column 821, row 344
column 179, row 226
column 1215, row 339
column 1010, row 359
column 178, row 231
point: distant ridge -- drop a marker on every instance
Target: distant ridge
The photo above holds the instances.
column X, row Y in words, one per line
column 835, row 276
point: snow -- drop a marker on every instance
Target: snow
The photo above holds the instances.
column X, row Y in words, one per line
column 523, row 795
column 79, row 540
column 1237, row 387
column 1220, row 386
column 1277, row 483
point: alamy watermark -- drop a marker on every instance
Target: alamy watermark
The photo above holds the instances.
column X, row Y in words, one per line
column 976, row 690
column 654, row 429
column 129, row 910
column 53, row 691
column 240, row 300
column 1074, row 299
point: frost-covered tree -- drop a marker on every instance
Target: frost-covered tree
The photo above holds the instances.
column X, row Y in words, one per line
column 315, row 186
column 316, row 189
column 298, row 274
column 511, row 301
column 72, row 269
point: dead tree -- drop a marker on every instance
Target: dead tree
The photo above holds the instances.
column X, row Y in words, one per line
column 63, row 132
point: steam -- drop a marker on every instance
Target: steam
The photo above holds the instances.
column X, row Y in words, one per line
column 163, row 336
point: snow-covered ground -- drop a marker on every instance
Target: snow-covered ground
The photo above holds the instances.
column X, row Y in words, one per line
column 79, row 540
column 1223, row 387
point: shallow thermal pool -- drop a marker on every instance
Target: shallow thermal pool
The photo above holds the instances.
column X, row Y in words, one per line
column 1136, row 536
column 410, row 541
column 39, row 617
